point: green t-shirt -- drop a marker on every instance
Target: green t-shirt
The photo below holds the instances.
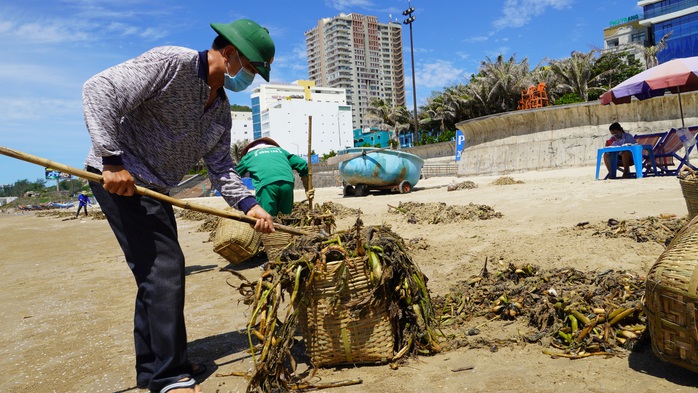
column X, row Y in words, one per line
column 271, row 164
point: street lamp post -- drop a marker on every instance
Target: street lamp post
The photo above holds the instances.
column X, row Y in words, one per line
column 410, row 18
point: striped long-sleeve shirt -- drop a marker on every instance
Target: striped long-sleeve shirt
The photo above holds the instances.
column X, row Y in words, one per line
column 148, row 114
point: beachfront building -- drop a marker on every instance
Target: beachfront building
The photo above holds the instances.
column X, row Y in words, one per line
column 360, row 55
column 371, row 137
column 678, row 17
column 280, row 112
column 626, row 35
column 242, row 126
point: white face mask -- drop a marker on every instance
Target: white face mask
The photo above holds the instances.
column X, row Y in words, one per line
column 241, row 81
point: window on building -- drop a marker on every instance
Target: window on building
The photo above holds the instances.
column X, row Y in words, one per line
column 612, row 43
column 639, row 38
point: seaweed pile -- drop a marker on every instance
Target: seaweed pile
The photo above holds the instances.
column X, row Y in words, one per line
column 441, row 213
column 389, row 272
column 465, row 185
column 659, row 229
column 94, row 214
column 578, row 314
column 505, row 181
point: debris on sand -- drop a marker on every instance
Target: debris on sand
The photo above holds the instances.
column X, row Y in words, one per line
column 660, row 229
column 368, row 272
column 505, row 181
column 441, row 213
column 466, row 185
column 577, row 314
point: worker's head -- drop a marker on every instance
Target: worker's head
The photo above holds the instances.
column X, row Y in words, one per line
column 84, row 193
column 263, row 141
column 251, row 45
column 615, row 129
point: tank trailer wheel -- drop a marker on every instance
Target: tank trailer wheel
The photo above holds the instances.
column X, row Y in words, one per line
column 405, row 187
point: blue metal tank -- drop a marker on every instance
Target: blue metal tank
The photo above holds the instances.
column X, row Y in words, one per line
column 365, row 169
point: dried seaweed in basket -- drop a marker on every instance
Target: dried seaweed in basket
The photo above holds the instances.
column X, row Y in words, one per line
column 271, row 336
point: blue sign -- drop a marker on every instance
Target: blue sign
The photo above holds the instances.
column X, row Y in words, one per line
column 460, row 144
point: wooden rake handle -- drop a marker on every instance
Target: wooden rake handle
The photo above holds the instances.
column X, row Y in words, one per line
column 233, row 215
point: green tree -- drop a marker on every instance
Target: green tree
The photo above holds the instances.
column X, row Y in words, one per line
column 384, row 115
column 650, row 52
column 615, row 67
column 578, row 73
column 240, row 108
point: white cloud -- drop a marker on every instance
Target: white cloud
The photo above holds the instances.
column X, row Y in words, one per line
column 517, row 13
column 344, row 5
column 14, row 109
column 502, row 50
column 480, row 38
column 436, row 74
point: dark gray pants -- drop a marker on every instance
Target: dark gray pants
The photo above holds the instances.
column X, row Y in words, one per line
column 147, row 233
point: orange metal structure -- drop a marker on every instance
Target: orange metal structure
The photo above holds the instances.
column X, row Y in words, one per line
column 533, row 97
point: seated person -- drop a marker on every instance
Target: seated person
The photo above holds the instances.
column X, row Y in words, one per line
column 619, row 138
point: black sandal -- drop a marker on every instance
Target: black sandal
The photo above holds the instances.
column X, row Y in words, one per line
column 187, row 383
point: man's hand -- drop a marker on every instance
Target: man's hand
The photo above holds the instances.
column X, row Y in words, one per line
column 118, row 180
column 310, row 194
column 264, row 224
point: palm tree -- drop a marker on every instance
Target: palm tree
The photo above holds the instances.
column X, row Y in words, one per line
column 650, row 52
column 505, row 80
column 437, row 110
column 577, row 73
column 381, row 113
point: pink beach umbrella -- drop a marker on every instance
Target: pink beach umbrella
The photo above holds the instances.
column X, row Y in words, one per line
column 675, row 75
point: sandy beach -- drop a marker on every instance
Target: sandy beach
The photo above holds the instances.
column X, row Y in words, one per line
column 68, row 295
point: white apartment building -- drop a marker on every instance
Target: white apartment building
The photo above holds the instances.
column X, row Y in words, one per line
column 242, row 127
column 357, row 53
column 281, row 111
column 626, row 35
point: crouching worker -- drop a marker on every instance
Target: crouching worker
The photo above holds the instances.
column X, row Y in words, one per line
column 619, row 138
column 271, row 169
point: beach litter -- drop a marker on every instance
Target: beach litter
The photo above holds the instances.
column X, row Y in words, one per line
column 572, row 314
column 346, row 292
column 465, row 185
column 441, row 213
column 659, row 229
column 505, row 181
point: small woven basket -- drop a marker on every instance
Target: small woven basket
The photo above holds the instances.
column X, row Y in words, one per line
column 276, row 241
column 334, row 332
column 671, row 300
column 689, row 187
column 236, row 241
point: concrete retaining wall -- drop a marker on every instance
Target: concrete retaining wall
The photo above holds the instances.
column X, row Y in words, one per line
column 562, row 136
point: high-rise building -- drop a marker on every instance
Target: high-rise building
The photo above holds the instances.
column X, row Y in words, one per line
column 281, row 111
column 357, row 53
column 242, row 127
column 678, row 17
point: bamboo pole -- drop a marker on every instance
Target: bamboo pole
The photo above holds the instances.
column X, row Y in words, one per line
column 310, row 163
column 233, row 215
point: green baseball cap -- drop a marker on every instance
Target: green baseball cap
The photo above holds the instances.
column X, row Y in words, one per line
column 252, row 40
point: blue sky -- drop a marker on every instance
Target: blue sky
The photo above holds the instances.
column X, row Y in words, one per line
column 48, row 48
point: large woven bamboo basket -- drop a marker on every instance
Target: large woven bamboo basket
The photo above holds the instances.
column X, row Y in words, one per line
column 335, row 333
column 689, row 187
column 236, row 241
column 671, row 300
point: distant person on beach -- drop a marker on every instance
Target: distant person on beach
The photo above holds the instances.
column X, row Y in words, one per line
column 151, row 119
column 83, row 201
column 619, row 138
column 271, row 169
